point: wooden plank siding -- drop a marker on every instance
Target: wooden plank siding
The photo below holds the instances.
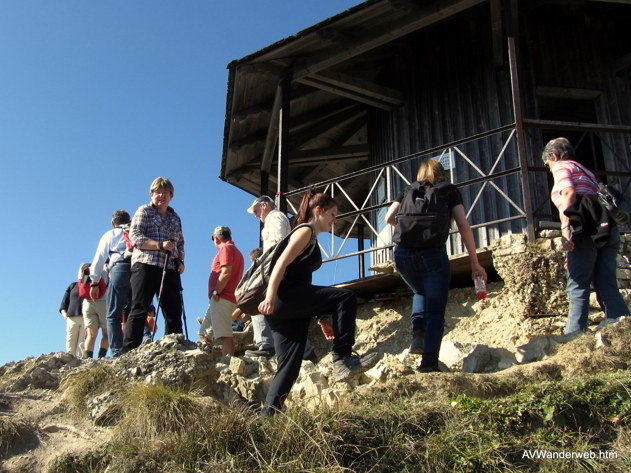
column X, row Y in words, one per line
column 452, row 90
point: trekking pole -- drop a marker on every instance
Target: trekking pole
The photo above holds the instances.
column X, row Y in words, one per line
column 164, row 272
column 182, row 300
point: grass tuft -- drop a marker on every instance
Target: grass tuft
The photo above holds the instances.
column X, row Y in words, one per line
column 399, row 427
column 13, row 432
column 80, row 387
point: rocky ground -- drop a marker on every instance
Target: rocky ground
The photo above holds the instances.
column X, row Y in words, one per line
column 485, row 336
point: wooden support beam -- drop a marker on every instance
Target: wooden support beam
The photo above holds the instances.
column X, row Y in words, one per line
column 319, row 84
column 262, row 68
column 323, row 113
column 311, row 157
column 351, row 151
column 405, row 5
column 272, row 132
column 283, row 143
column 427, row 15
column 252, row 140
column 334, row 121
column 332, row 36
column 361, row 86
column 252, row 112
column 349, row 132
column 568, row 93
column 497, row 33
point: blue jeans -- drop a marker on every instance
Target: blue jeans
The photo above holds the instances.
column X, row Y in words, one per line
column 427, row 274
column 587, row 264
column 118, row 293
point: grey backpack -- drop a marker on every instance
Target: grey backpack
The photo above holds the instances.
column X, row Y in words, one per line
column 250, row 291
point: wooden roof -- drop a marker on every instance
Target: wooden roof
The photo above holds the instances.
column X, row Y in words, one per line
column 334, row 66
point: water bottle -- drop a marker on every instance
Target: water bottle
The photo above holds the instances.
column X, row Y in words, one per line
column 480, row 286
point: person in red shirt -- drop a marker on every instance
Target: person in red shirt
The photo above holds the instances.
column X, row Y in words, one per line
column 225, row 274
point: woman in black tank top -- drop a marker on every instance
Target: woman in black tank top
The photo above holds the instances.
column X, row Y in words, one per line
column 292, row 300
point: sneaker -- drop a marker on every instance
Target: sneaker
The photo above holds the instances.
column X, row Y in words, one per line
column 428, row 369
column 416, row 347
column 352, row 364
column 264, row 352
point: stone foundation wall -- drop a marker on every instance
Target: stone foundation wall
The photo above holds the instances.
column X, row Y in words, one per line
column 535, row 274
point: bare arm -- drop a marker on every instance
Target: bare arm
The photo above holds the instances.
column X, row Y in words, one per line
column 392, row 212
column 568, row 195
column 468, row 240
column 224, row 276
column 297, row 243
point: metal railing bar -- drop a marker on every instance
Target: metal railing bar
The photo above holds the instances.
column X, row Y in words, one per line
column 554, row 125
column 373, row 229
column 357, row 253
column 510, row 201
column 402, row 176
column 432, row 150
column 598, row 173
column 350, row 229
column 373, row 187
column 323, row 250
column 466, row 158
column 364, row 210
column 347, row 196
column 499, row 157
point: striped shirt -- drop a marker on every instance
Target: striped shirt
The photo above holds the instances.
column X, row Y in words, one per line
column 147, row 224
column 570, row 174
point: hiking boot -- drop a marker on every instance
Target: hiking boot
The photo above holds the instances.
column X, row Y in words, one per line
column 352, row 364
column 428, row 369
column 264, row 352
column 416, row 347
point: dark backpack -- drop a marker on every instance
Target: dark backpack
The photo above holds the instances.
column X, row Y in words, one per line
column 424, row 217
column 250, row 291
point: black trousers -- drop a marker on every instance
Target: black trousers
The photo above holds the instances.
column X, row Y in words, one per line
column 145, row 283
column 295, row 306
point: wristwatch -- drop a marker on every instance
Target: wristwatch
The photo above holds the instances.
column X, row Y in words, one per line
column 215, row 293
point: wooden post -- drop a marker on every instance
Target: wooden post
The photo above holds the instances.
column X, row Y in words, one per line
column 521, row 141
column 264, row 191
column 283, row 144
column 360, row 247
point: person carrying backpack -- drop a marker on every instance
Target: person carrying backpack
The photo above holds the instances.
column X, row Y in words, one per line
column 115, row 247
column 93, row 308
column 291, row 300
column 591, row 259
column 422, row 218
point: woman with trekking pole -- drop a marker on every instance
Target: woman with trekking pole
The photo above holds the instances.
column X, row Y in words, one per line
column 291, row 301
column 157, row 261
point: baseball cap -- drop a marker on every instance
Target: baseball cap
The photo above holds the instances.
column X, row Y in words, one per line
column 223, row 231
column 151, row 308
column 264, row 199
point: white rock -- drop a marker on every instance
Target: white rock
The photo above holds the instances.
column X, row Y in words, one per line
column 467, row 357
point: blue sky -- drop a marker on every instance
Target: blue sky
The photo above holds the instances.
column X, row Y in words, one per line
column 96, row 100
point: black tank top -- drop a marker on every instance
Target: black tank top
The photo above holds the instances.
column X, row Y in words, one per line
column 300, row 271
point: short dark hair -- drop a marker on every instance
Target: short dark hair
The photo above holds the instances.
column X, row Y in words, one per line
column 120, row 217
column 560, row 146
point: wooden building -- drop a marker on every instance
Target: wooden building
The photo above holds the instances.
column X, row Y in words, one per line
column 353, row 103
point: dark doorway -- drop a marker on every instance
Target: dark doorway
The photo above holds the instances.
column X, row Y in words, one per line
column 588, row 148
